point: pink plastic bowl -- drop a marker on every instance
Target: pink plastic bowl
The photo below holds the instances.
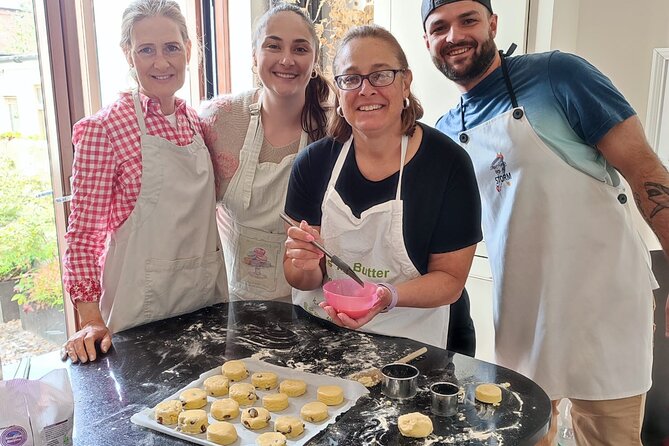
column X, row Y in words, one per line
column 347, row 296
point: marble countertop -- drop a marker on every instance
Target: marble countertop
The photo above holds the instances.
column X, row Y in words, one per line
column 149, row 363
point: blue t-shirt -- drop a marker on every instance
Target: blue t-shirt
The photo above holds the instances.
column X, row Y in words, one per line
column 570, row 104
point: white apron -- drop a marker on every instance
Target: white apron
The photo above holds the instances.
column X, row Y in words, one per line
column 165, row 259
column 572, row 279
column 374, row 242
column 252, row 233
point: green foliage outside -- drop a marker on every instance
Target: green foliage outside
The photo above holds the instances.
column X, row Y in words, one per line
column 41, row 288
column 9, row 135
column 28, row 241
column 27, row 235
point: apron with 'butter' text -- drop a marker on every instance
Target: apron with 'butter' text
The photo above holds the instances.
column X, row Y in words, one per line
column 374, row 246
column 252, row 233
column 165, row 259
column 571, row 275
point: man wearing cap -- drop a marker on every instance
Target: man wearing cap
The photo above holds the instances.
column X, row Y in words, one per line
column 549, row 135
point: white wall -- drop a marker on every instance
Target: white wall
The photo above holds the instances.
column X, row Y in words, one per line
column 617, row 36
column 621, row 40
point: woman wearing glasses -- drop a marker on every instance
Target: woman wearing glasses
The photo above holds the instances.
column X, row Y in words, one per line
column 396, row 199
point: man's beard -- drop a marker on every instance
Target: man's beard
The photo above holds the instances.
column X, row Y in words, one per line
column 480, row 63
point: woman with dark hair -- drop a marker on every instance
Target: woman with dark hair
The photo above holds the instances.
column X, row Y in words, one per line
column 395, row 198
column 142, row 243
column 253, row 139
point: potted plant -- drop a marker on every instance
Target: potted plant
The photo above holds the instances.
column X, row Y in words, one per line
column 40, row 296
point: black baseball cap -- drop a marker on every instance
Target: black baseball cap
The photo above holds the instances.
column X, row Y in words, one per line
column 430, row 5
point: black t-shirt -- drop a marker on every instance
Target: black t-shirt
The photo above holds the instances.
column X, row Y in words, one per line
column 442, row 208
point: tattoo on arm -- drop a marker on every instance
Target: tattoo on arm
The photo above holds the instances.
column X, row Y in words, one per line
column 658, row 194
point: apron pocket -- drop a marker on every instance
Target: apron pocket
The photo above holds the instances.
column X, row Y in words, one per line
column 174, row 287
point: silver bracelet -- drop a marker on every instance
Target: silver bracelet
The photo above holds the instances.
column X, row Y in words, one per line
column 393, row 294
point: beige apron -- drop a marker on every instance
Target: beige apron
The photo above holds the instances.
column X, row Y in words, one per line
column 572, row 280
column 375, row 242
column 252, row 232
column 165, row 259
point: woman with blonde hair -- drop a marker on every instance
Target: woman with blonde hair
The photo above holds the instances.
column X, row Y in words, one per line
column 142, row 239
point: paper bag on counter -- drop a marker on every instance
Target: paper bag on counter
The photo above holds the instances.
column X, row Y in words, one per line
column 37, row 412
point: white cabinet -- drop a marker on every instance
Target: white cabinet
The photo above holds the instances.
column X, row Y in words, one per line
column 480, row 296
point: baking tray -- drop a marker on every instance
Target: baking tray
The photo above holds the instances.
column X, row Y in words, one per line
column 352, row 391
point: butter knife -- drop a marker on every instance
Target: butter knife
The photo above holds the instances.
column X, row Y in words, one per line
column 336, row 260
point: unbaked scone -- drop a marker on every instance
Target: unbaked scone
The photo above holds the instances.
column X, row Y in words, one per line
column 193, row 421
column 330, row 395
column 216, row 385
column 255, row 417
column 293, row 387
column 168, row 412
column 488, row 393
column 314, row 412
column 275, row 402
column 289, row 426
column 222, row 432
column 193, row 398
column 225, row 409
column 243, row 393
column 415, row 425
column 271, row 439
column 264, row 380
column 235, row 370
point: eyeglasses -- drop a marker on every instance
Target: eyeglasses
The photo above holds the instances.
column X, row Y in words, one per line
column 381, row 78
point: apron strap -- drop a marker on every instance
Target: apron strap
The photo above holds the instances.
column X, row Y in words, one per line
column 336, row 170
column 505, row 72
column 142, row 124
column 403, row 157
column 340, row 162
column 509, row 88
column 463, row 128
column 304, row 140
column 251, row 151
column 138, row 112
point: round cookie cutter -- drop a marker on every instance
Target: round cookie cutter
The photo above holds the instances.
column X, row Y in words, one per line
column 444, row 399
column 399, row 380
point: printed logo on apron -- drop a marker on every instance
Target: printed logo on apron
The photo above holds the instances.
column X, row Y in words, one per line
column 502, row 177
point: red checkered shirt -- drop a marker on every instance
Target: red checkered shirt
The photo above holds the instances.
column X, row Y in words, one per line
column 106, row 179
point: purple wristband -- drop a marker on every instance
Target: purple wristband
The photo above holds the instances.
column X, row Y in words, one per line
column 393, row 294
